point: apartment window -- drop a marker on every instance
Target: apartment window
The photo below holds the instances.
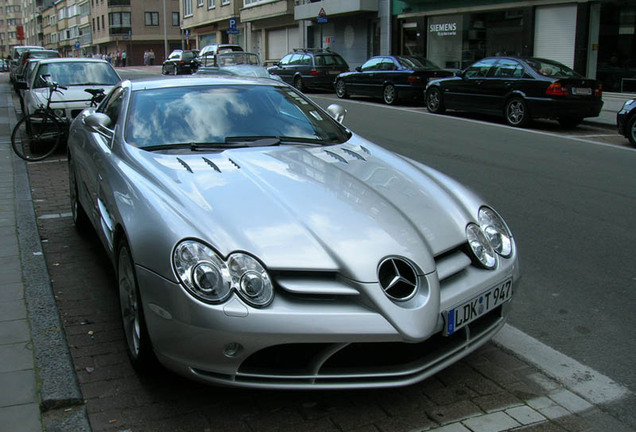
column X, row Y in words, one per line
column 12, row 35
column 94, row 25
column 175, row 19
column 187, row 7
column 199, row 3
column 247, row 3
column 225, row 2
column 103, row 26
column 211, row 4
column 151, row 18
column 13, row 21
column 120, row 19
column 12, row 9
column 0, row 9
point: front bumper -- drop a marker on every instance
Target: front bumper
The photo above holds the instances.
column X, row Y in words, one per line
column 324, row 342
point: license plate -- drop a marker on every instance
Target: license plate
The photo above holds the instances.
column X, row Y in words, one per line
column 458, row 317
column 581, row 91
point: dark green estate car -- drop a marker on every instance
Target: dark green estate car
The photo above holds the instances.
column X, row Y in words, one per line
column 310, row 68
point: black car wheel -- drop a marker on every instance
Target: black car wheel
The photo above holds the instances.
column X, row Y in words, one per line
column 298, row 83
column 134, row 323
column 389, row 94
column 341, row 89
column 570, row 122
column 163, row 70
column 517, row 112
column 631, row 130
column 434, row 101
column 175, row 71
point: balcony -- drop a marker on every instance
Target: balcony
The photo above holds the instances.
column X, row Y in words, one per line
column 120, row 31
column 308, row 9
column 118, row 3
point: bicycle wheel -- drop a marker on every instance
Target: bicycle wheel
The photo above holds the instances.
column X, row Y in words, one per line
column 36, row 136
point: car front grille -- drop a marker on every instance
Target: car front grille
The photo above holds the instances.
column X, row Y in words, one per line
column 358, row 365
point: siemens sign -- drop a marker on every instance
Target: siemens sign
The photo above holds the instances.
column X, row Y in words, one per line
column 446, row 29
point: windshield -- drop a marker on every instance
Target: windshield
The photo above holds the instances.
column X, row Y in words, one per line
column 237, row 58
column 552, row 69
column 77, row 74
column 218, row 114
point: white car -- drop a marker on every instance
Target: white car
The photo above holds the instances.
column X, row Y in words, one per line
column 77, row 75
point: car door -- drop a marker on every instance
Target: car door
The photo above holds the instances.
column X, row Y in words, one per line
column 466, row 93
column 284, row 67
column 501, row 80
column 363, row 84
column 95, row 167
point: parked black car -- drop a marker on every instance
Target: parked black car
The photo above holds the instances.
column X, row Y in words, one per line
column 520, row 89
column 310, row 68
column 389, row 77
column 180, row 61
column 24, row 59
column 626, row 121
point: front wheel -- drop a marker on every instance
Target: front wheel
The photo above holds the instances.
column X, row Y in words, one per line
column 434, row 101
column 390, row 94
column 298, row 83
column 138, row 342
column 36, row 136
column 631, row 130
column 164, row 71
column 517, row 112
column 175, row 71
column 341, row 89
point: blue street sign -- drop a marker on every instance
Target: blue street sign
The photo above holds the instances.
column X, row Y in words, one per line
column 233, row 24
column 77, row 45
column 321, row 20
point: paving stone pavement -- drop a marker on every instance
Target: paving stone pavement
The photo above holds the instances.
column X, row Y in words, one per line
column 490, row 390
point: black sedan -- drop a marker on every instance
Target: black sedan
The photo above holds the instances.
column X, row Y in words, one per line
column 389, row 77
column 520, row 89
column 626, row 121
column 180, row 61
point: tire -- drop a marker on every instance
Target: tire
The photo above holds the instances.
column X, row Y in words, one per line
column 175, row 71
column 341, row 89
column 389, row 94
column 434, row 101
column 298, row 83
column 516, row 112
column 570, row 122
column 36, row 136
column 80, row 218
column 630, row 131
column 138, row 343
column 163, row 70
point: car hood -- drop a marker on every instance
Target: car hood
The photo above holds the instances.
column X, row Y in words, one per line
column 72, row 97
column 337, row 208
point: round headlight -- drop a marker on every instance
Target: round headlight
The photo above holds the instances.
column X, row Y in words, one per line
column 202, row 271
column 251, row 279
column 480, row 246
column 496, row 231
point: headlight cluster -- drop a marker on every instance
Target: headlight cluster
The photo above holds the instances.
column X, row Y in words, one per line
column 490, row 238
column 211, row 279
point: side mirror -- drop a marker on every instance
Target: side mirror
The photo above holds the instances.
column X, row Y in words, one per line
column 337, row 112
column 100, row 123
column 358, row 69
column 22, row 85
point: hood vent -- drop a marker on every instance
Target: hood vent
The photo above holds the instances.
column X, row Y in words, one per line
column 212, row 164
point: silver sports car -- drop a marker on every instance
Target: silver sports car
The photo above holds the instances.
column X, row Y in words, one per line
column 258, row 242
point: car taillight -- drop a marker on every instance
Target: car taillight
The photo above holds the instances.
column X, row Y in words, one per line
column 414, row 79
column 181, row 62
column 556, row 89
column 315, row 73
column 599, row 91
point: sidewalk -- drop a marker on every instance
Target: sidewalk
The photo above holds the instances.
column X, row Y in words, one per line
column 515, row 383
column 36, row 371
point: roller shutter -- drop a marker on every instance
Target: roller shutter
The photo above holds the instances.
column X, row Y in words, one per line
column 555, row 33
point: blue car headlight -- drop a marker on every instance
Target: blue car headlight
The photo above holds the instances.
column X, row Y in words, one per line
column 211, row 279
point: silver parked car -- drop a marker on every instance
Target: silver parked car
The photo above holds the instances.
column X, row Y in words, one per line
column 258, row 242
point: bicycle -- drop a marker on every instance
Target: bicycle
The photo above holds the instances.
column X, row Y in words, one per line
column 37, row 135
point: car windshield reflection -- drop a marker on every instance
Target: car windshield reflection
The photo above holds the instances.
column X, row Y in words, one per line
column 77, row 74
column 211, row 114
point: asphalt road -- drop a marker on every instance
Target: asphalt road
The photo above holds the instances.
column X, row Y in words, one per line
column 569, row 199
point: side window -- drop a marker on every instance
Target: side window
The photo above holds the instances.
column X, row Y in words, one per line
column 112, row 106
column 388, row 65
column 296, row 59
column 306, row 60
column 371, row 65
column 286, row 60
column 479, row 69
column 508, row 69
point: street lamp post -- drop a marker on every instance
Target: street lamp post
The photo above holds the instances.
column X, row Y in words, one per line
column 165, row 32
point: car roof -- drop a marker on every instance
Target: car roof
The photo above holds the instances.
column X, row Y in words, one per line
column 198, row 80
column 72, row 60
